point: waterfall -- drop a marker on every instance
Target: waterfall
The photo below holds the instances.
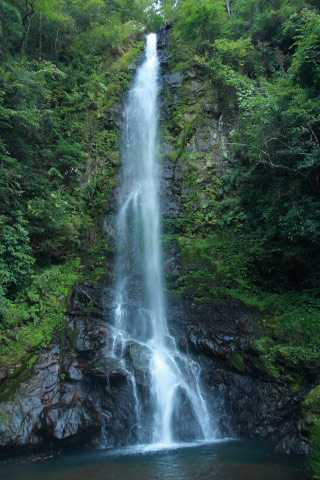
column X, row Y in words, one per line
column 169, row 402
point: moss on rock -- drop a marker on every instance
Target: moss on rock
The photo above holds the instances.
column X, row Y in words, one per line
column 237, row 361
column 311, row 407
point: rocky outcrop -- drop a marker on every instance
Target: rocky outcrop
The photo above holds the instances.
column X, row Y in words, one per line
column 77, row 393
column 248, row 400
column 75, row 389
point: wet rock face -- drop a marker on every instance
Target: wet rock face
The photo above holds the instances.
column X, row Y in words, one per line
column 76, row 388
column 247, row 401
column 20, row 417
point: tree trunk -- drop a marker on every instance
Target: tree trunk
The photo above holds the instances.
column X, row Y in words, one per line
column 40, row 38
column 56, row 43
column 25, row 34
column 228, row 7
column 28, row 14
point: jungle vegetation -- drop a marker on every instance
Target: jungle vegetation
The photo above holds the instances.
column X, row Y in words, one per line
column 259, row 61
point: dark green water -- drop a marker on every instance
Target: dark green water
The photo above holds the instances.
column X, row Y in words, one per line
column 221, row 461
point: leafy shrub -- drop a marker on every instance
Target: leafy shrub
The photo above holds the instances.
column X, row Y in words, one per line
column 28, row 324
column 201, row 22
column 315, row 455
column 16, row 261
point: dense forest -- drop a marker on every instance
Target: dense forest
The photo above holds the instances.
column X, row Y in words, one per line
column 251, row 234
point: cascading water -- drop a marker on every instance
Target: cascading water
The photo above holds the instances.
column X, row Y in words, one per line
column 176, row 409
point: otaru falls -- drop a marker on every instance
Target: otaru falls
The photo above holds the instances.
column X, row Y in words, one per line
column 143, row 385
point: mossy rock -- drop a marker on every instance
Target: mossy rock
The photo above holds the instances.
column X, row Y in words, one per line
column 21, row 375
column 73, row 335
column 237, row 361
column 311, row 407
column 260, row 363
column 294, row 388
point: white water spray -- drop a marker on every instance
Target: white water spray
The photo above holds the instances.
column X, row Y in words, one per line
column 177, row 408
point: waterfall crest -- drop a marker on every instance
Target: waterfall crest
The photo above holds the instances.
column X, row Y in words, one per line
column 169, row 403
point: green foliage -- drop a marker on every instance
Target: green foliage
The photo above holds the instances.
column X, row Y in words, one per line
column 225, row 266
column 64, row 67
column 10, row 28
column 311, row 413
column 216, row 266
column 233, row 52
column 29, row 322
column 237, row 362
column 292, row 320
column 252, row 233
column 201, row 22
column 16, row 261
column 94, row 42
column 201, row 206
column 277, row 141
column 311, row 406
column 306, row 64
column 315, row 455
column 182, row 140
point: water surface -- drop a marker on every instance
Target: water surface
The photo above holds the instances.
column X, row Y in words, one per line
column 231, row 460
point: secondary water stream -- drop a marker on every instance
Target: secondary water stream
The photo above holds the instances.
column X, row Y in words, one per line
column 177, row 409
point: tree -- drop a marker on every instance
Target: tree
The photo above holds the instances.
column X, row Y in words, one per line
column 305, row 67
column 11, row 28
column 202, row 22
